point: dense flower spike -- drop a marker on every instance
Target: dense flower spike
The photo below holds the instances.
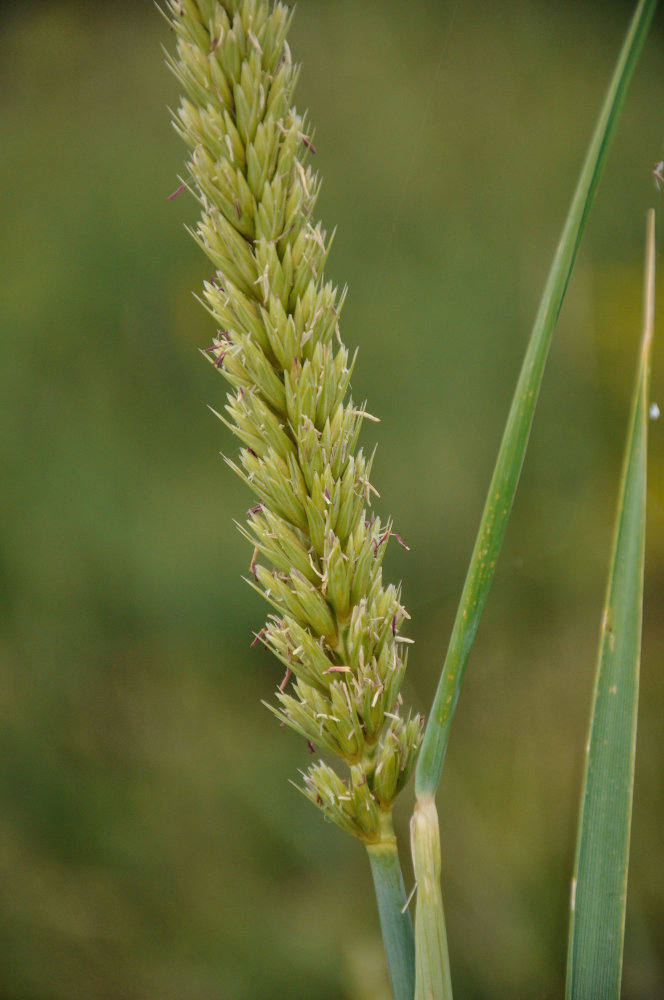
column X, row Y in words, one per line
column 334, row 626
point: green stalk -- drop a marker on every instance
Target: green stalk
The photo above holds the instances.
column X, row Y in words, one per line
column 515, row 438
column 432, row 964
column 599, row 885
column 395, row 921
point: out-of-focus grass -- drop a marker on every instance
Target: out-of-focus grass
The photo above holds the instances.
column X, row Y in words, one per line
column 150, row 845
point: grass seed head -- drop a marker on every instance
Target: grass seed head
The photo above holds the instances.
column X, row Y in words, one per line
column 334, row 625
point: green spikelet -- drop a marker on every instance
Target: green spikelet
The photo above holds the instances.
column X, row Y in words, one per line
column 334, row 625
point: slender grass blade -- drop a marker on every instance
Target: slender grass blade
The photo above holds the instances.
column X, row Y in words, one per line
column 515, row 438
column 599, row 885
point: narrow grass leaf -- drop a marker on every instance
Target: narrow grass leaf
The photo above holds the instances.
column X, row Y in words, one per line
column 515, row 438
column 599, row 885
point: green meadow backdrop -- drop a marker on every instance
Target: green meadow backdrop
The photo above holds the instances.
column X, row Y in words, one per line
column 151, row 846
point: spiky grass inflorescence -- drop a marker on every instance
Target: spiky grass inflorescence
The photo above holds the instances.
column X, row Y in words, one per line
column 334, row 626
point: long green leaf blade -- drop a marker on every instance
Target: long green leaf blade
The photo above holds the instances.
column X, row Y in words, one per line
column 599, row 886
column 515, row 437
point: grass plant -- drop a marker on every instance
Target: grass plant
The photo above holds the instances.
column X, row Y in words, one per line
column 317, row 545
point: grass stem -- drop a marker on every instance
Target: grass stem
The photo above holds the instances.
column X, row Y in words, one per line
column 395, row 920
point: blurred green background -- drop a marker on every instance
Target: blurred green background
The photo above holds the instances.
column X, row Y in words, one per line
column 151, row 847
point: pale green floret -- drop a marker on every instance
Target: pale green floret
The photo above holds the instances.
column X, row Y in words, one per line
column 396, row 759
column 335, row 627
column 273, row 537
column 294, row 645
column 324, row 788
